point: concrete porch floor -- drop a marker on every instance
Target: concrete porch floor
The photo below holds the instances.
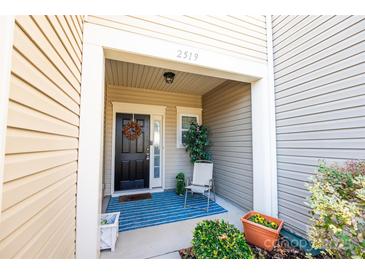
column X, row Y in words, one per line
column 164, row 241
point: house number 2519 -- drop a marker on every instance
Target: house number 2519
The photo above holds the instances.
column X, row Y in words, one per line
column 187, row 55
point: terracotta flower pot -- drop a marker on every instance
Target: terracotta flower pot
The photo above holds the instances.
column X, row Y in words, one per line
column 259, row 235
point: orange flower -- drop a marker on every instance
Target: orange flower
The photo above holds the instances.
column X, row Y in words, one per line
column 223, row 237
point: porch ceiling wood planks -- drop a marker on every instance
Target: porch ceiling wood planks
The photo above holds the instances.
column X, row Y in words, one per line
column 147, row 77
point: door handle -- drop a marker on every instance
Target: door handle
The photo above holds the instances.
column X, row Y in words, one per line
column 147, row 153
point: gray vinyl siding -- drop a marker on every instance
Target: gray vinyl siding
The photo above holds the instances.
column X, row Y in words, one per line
column 319, row 70
column 227, row 114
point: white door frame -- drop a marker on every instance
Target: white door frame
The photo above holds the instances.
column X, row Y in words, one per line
column 130, row 108
column 103, row 42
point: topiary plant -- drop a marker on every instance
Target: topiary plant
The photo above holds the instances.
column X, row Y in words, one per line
column 180, row 183
column 214, row 239
column 196, row 142
column 337, row 204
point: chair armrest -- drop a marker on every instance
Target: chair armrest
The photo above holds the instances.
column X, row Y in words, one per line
column 188, row 181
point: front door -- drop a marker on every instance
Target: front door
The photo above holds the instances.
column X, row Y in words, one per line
column 132, row 164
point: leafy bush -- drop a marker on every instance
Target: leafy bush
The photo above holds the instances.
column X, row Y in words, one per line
column 180, row 183
column 338, row 209
column 196, row 142
column 219, row 240
column 259, row 219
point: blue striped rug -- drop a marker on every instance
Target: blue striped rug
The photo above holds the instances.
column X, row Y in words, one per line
column 164, row 207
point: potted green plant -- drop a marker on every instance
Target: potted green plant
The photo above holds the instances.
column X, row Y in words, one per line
column 261, row 230
column 180, row 183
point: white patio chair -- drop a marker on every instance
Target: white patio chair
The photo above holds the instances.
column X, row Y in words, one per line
column 202, row 182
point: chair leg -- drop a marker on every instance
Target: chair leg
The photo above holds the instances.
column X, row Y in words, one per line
column 213, row 190
column 186, row 196
column 208, row 200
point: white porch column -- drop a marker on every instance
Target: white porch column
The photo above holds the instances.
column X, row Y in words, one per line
column 90, row 153
column 264, row 137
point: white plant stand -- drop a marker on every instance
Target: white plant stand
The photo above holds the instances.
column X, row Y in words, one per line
column 109, row 230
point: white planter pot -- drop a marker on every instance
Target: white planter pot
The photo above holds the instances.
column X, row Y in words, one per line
column 109, row 230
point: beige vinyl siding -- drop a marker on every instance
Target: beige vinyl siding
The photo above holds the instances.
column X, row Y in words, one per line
column 227, row 114
column 39, row 193
column 241, row 36
column 176, row 158
column 319, row 67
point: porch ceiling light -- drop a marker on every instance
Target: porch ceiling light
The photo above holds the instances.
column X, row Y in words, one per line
column 169, row 77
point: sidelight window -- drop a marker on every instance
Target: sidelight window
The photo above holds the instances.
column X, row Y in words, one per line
column 156, row 149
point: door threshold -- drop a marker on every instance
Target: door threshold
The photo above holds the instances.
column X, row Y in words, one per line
column 136, row 191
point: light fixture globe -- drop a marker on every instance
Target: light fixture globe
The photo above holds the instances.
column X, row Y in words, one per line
column 169, row 77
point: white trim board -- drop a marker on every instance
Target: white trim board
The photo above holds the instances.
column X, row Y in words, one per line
column 91, row 144
column 138, row 108
column 136, row 191
column 120, row 107
column 272, row 117
column 185, row 111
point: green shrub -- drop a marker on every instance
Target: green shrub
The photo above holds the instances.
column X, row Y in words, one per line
column 219, row 240
column 196, row 142
column 337, row 204
column 180, row 183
